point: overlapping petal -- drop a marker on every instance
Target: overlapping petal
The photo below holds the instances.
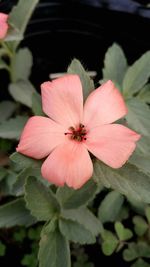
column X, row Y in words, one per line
column 3, row 25
column 113, row 144
column 62, row 100
column 40, row 136
column 70, row 164
column 103, row 106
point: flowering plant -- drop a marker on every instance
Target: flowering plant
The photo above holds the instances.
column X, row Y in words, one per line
column 77, row 145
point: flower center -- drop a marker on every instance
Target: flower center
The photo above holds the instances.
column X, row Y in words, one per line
column 78, row 134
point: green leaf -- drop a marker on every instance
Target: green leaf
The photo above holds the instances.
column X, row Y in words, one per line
column 137, row 75
column 143, row 145
column 115, row 64
column 138, row 116
column 141, row 162
column 136, row 250
column 75, row 232
column 2, row 249
column 127, row 180
column 21, row 65
column 72, row 199
column 7, row 108
column 122, row 232
column 12, row 128
column 140, row 263
column 23, row 161
column 37, row 104
column 40, row 200
column 15, row 213
column 3, row 173
column 144, row 94
column 87, row 83
column 109, row 243
column 147, row 213
column 20, row 15
column 3, row 65
column 18, row 185
column 54, row 250
column 84, row 217
column 22, row 92
column 110, row 207
column 140, row 225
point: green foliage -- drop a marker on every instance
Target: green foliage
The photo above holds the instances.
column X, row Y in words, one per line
column 70, row 198
column 54, row 250
column 140, row 263
column 147, row 213
column 87, row 83
column 136, row 250
column 84, row 217
column 140, row 225
column 12, row 128
column 23, row 161
column 19, row 235
column 127, row 180
column 109, row 243
column 20, row 16
column 115, row 64
column 76, row 232
column 37, row 104
column 15, row 213
column 138, row 116
column 137, row 75
column 22, row 92
column 2, row 249
column 144, row 94
column 40, row 200
column 110, row 207
column 122, row 232
column 7, row 108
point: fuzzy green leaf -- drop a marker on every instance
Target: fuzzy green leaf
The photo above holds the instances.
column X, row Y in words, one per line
column 122, row 232
column 140, row 225
column 15, row 213
column 37, row 104
column 22, row 92
column 85, row 217
column 147, row 213
column 12, row 128
column 87, row 83
column 21, row 65
column 110, row 207
column 54, row 250
column 115, row 64
column 40, row 200
column 144, row 94
column 109, row 243
column 127, row 180
column 138, row 116
column 72, row 199
column 137, row 75
column 6, row 110
column 75, row 232
column 140, row 263
column 20, row 15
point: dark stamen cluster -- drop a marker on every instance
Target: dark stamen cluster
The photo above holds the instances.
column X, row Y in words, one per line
column 77, row 134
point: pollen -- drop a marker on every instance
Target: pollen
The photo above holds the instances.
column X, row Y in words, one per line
column 78, row 134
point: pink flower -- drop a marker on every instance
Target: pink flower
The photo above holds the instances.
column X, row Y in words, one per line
column 71, row 131
column 3, row 25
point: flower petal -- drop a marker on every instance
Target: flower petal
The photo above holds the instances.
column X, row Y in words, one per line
column 62, row 100
column 70, row 164
column 3, row 29
column 104, row 105
column 113, row 144
column 3, row 17
column 40, row 136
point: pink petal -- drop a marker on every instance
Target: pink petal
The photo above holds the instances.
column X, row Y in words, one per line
column 70, row 164
column 40, row 136
column 104, row 105
column 3, row 29
column 113, row 144
column 62, row 100
column 3, row 17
